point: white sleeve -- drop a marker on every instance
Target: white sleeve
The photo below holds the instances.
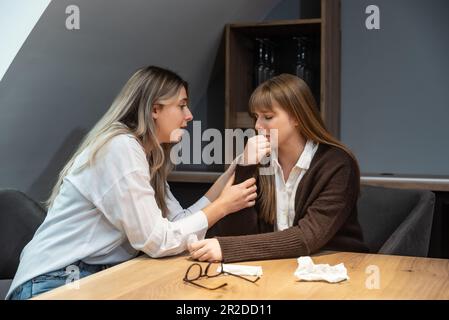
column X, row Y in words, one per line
column 176, row 211
column 130, row 206
column 238, row 159
column 118, row 184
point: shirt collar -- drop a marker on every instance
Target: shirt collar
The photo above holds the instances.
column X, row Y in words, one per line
column 304, row 159
column 307, row 154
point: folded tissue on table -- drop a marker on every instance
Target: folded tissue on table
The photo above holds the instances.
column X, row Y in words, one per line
column 241, row 270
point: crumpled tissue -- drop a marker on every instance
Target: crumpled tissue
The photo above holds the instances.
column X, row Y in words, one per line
column 309, row 271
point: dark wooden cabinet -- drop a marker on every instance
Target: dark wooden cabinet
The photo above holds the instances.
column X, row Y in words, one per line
column 324, row 37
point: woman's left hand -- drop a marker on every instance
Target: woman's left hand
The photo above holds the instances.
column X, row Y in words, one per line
column 206, row 250
column 214, row 191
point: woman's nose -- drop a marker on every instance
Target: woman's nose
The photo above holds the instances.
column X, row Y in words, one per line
column 258, row 126
column 189, row 115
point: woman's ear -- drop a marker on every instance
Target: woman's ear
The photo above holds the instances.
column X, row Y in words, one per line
column 155, row 112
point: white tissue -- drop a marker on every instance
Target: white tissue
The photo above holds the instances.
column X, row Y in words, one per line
column 309, row 271
column 241, row 270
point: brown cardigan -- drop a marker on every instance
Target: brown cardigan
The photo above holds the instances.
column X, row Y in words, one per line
column 326, row 215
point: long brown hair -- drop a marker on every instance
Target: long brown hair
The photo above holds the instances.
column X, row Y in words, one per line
column 131, row 113
column 295, row 97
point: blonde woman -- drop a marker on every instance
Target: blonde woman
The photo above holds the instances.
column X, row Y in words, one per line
column 112, row 199
column 309, row 202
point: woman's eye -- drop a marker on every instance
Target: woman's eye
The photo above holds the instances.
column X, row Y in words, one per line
column 268, row 117
column 182, row 106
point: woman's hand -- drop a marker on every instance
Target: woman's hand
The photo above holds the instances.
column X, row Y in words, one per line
column 233, row 198
column 206, row 250
column 256, row 149
column 239, row 196
column 215, row 190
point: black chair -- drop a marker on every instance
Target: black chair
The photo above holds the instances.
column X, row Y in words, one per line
column 20, row 217
column 396, row 221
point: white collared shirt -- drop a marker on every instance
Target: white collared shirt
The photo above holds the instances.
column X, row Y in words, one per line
column 107, row 213
column 286, row 190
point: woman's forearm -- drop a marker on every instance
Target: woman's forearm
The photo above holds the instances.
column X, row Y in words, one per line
column 214, row 212
column 214, row 191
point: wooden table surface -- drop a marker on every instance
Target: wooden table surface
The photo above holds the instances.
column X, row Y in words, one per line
column 146, row 278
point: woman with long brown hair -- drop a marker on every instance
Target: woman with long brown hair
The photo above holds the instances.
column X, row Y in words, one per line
column 309, row 202
column 112, row 199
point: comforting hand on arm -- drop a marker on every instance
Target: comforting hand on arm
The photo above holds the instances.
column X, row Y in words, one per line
column 256, row 149
column 233, row 198
column 214, row 192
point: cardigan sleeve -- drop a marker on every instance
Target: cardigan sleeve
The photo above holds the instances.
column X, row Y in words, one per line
column 243, row 173
column 243, row 221
column 321, row 221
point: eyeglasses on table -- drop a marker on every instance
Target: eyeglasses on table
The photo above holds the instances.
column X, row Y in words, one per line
column 195, row 272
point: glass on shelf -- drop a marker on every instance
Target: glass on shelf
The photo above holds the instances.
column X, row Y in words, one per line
column 303, row 66
column 272, row 71
column 259, row 63
column 269, row 70
column 264, row 61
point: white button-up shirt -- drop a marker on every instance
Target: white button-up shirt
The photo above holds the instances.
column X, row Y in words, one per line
column 286, row 190
column 106, row 213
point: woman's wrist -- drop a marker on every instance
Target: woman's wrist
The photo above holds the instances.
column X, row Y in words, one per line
column 215, row 211
column 221, row 207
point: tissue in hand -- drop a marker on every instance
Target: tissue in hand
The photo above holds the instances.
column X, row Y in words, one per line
column 308, row 271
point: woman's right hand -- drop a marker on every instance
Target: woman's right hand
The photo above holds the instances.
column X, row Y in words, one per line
column 256, row 149
column 239, row 196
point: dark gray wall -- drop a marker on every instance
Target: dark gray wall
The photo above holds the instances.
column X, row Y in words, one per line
column 62, row 81
column 394, row 81
column 395, row 86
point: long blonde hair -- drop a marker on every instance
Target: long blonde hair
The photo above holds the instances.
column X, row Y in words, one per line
column 131, row 113
column 295, row 97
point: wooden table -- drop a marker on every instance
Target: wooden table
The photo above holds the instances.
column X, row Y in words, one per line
column 146, row 278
